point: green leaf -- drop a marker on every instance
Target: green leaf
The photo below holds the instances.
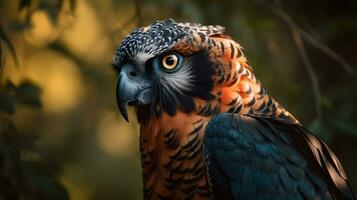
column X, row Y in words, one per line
column 52, row 7
column 24, row 4
column 18, row 26
column 28, row 93
column 44, row 181
column 2, row 63
column 6, row 103
column 10, row 87
column 4, row 38
column 50, row 189
column 72, row 5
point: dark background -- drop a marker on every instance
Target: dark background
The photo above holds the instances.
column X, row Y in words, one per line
column 61, row 135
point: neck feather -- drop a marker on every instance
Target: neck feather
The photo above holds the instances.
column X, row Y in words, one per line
column 172, row 156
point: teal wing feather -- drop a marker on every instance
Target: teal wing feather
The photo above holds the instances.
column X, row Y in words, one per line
column 257, row 158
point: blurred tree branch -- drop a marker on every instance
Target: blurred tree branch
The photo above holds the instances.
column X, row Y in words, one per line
column 299, row 35
column 125, row 24
column 294, row 29
column 139, row 14
column 2, row 63
column 6, row 40
column 327, row 50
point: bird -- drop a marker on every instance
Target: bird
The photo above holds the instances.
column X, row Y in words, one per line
column 208, row 128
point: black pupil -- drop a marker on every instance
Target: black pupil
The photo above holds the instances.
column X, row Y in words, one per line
column 170, row 60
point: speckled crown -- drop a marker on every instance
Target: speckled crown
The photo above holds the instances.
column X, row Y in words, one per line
column 146, row 42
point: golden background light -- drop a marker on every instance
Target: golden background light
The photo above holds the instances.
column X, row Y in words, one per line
column 85, row 35
column 116, row 137
column 42, row 32
column 59, row 78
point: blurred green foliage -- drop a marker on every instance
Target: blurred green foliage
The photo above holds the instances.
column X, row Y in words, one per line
column 25, row 177
column 63, row 148
column 26, row 93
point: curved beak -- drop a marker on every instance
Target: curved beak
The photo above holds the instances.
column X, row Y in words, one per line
column 133, row 88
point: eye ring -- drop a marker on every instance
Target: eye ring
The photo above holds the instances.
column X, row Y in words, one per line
column 170, row 61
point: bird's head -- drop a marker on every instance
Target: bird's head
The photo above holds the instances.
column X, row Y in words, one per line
column 171, row 67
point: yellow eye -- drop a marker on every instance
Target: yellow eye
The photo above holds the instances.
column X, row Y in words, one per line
column 170, row 61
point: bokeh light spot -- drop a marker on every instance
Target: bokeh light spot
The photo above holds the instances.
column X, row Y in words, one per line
column 59, row 79
column 42, row 31
column 116, row 137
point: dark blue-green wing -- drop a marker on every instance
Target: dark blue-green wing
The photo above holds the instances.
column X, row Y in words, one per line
column 257, row 158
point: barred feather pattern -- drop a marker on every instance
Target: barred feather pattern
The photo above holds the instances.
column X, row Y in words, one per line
column 172, row 157
column 236, row 89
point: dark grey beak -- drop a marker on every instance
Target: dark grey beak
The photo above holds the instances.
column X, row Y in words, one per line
column 133, row 88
